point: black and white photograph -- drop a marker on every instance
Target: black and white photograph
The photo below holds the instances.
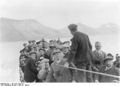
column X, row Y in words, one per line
column 59, row 41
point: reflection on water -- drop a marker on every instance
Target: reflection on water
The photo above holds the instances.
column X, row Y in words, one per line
column 9, row 55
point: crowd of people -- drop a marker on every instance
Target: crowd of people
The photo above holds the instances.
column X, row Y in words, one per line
column 43, row 61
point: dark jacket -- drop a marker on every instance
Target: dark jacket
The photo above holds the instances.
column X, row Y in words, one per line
column 81, row 49
column 99, row 56
column 30, row 71
column 112, row 71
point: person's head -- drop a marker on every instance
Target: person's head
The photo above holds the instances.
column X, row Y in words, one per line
column 22, row 57
column 41, row 51
column 25, row 52
column 51, row 42
column 65, row 48
column 47, row 64
column 30, row 43
column 98, row 45
column 72, row 28
column 117, row 57
column 57, row 55
column 66, row 42
column 24, row 45
column 46, row 45
column 33, row 42
column 33, row 55
column 44, row 63
column 52, row 46
column 109, row 55
column 21, row 52
column 118, row 65
column 22, row 60
column 108, row 62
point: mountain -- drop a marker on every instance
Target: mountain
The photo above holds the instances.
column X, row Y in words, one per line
column 105, row 29
column 21, row 30
column 109, row 28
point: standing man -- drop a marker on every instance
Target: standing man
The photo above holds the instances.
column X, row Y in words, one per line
column 80, row 53
column 99, row 55
column 30, row 70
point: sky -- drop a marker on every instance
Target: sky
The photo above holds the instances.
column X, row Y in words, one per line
column 60, row 13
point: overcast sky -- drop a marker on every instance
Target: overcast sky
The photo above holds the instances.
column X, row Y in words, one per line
column 59, row 13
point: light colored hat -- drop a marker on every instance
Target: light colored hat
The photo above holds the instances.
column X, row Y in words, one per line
column 24, row 44
column 56, row 51
column 65, row 46
column 44, row 60
column 108, row 59
column 33, row 52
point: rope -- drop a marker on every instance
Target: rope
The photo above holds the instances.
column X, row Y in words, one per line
column 92, row 72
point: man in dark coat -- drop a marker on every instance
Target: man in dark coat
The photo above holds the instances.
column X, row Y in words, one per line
column 80, row 53
column 30, row 71
column 109, row 68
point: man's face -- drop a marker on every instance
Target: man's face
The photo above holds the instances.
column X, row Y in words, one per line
column 65, row 50
column 30, row 43
column 46, row 64
column 56, row 57
column 33, row 56
column 22, row 59
column 33, row 43
column 25, row 45
column 60, row 55
column 98, row 46
column 40, row 46
column 118, row 59
column 25, row 52
column 41, row 52
column 109, row 63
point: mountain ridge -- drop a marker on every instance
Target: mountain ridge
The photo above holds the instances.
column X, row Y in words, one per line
column 27, row 29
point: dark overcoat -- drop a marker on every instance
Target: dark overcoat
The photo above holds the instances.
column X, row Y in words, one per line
column 81, row 49
column 30, row 71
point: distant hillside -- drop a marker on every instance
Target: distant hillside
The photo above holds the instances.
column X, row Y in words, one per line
column 20, row 30
column 105, row 29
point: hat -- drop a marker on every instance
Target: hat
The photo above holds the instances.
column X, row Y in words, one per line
column 32, row 53
column 107, row 59
column 33, row 41
column 118, row 57
column 65, row 46
column 29, row 41
column 42, row 49
column 52, row 46
column 56, row 51
column 21, row 50
column 38, row 42
column 22, row 55
column 58, row 46
column 24, row 44
column 44, row 60
column 66, row 42
column 109, row 54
